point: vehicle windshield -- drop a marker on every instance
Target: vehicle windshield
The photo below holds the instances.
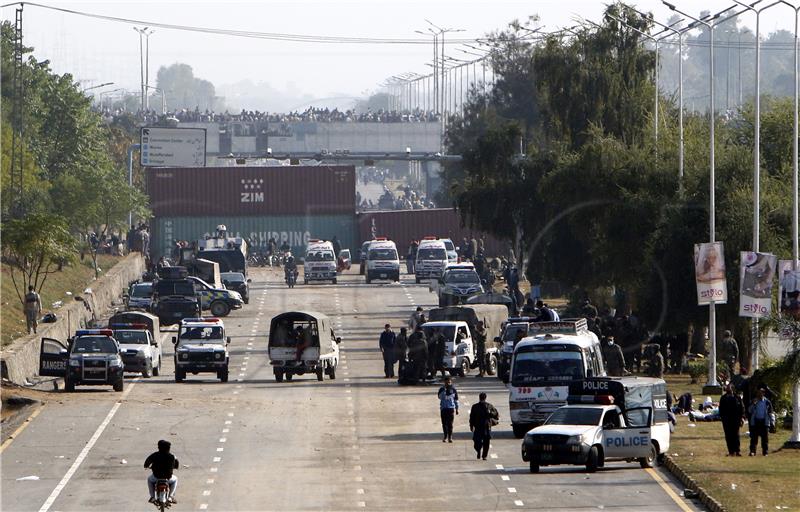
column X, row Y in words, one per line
column 131, row 337
column 182, row 287
column 462, row 277
column 448, row 244
column 142, row 290
column 448, row 331
column 575, row 416
column 232, row 277
column 431, row 254
column 204, row 334
column 510, row 333
column 228, row 260
column 345, row 254
column 382, row 254
column 320, row 256
column 94, row 345
column 547, row 363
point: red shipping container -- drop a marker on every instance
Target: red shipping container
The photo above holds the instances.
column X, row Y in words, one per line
column 243, row 191
column 403, row 226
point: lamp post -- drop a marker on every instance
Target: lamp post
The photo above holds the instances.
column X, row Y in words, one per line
column 710, row 22
column 163, row 99
column 756, row 164
column 144, row 81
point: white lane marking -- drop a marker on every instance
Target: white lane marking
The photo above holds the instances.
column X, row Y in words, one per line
column 361, row 504
column 223, row 439
column 349, row 397
column 235, row 392
column 228, row 422
column 217, row 459
column 512, row 489
column 499, row 466
column 230, row 415
column 519, row 503
column 203, row 506
column 356, row 468
column 360, row 491
column 210, row 481
column 493, row 455
column 225, row 430
column 214, row 470
column 86, row 449
column 206, row 493
column 359, row 479
column 505, row 478
column 220, row 449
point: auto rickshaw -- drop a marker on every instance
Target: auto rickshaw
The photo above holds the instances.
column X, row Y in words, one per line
column 302, row 342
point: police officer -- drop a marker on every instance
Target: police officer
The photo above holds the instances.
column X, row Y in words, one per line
column 615, row 360
column 33, row 307
column 418, row 352
column 480, row 344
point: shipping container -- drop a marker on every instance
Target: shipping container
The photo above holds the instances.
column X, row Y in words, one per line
column 403, row 226
column 295, row 229
column 257, row 191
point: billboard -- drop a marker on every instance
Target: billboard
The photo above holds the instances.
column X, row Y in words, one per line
column 709, row 271
column 173, row 147
column 756, row 277
column 789, row 288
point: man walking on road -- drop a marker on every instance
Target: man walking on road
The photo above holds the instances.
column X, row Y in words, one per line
column 448, row 408
column 33, row 307
column 418, row 353
column 614, row 358
column 760, row 413
column 386, row 344
column 731, row 412
column 482, row 417
column 416, row 319
column 401, row 351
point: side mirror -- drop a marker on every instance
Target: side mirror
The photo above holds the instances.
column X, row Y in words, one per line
column 174, row 340
column 63, row 352
column 338, row 340
column 154, row 342
column 249, row 280
column 228, row 341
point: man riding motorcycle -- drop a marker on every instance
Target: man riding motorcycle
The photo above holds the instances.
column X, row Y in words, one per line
column 162, row 463
column 290, row 268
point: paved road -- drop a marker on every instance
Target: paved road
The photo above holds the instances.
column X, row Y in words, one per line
column 357, row 442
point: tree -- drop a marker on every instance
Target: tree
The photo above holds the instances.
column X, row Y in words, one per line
column 183, row 90
column 787, row 370
column 35, row 247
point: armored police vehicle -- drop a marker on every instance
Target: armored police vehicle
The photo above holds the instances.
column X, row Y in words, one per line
column 90, row 358
column 218, row 300
column 201, row 347
column 606, row 419
column 458, row 283
column 174, row 296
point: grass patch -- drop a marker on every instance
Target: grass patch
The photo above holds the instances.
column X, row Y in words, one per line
column 73, row 278
column 761, row 483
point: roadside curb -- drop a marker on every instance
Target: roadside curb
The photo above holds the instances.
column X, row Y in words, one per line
column 690, row 483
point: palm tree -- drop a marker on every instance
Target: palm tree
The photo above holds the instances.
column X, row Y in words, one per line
column 788, row 368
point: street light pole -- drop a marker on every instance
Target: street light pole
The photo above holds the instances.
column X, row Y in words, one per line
column 710, row 23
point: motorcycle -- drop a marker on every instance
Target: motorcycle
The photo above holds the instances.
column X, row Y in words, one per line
column 291, row 278
column 162, row 501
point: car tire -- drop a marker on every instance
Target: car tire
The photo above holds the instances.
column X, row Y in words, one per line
column 289, row 377
column 332, row 372
column 157, row 369
column 519, row 430
column 69, row 385
column 180, row 375
column 593, row 460
column 368, row 280
column 305, row 281
column 491, row 368
column 278, row 376
column 119, row 385
column 320, row 373
column 246, row 300
column 219, row 308
column 222, row 375
column 464, row 369
column 650, row 460
column 534, row 468
column 148, row 369
column 417, row 280
column 333, row 281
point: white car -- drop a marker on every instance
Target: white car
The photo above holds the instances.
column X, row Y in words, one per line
column 140, row 352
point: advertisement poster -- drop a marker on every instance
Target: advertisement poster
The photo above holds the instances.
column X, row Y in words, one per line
column 709, row 272
column 789, row 288
column 756, row 277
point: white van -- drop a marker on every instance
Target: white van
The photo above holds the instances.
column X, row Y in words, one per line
column 320, row 262
column 383, row 261
column 431, row 259
column 607, row 419
column 543, row 366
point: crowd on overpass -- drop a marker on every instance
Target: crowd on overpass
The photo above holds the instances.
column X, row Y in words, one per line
column 310, row 115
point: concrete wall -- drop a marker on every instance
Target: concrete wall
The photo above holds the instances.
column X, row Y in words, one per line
column 20, row 361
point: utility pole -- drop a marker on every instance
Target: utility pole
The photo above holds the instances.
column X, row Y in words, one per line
column 17, row 121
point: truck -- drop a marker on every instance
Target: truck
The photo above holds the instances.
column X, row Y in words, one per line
column 458, row 324
column 174, row 296
column 230, row 253
column 617, row 418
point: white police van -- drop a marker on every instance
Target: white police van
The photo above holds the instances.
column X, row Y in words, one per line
column 622, row 418
column 431, row 259
column 543, row 365
column 383, row 261
column 319, row 263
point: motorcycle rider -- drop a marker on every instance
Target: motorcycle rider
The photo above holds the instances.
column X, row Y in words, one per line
column 162, row 463
column 290, row 267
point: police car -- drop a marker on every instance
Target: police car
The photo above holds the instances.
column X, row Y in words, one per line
column 219, row 300
column 606, row 419
column 201, row 347
column 139, row 350
column 92, row 357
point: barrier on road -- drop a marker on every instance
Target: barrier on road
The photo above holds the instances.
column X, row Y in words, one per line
column 19, row 362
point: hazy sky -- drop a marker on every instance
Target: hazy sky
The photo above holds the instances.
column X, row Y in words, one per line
column 102, row 51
